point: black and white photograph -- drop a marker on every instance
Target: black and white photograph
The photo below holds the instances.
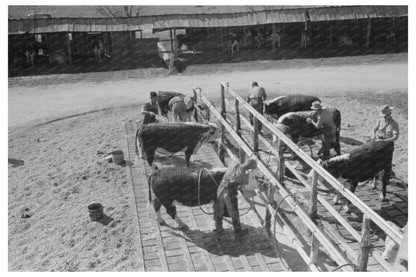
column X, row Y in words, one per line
column 207, row 137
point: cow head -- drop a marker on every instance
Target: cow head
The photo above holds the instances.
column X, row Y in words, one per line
column 284, row 129
column 189, row 102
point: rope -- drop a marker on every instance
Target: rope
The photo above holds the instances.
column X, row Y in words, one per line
column 199, row 190
column 274, row 230
column 341, row 266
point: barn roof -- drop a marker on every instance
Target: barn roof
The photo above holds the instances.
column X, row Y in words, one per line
column 91, row 19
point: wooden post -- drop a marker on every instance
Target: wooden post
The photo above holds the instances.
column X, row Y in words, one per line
column 256, row 135
column 195, row 105
column 281, row 162
column 69, row 48
column 368, row 33
column 221, row 149
column 364, row 245
column 313, row 216
column 241, row 154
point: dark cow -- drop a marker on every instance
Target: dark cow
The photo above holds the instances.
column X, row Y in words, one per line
column 361, row 164
column 163, row 98
column 291, row 103
column 181, row 185
column 294, row 125
column 174, row 137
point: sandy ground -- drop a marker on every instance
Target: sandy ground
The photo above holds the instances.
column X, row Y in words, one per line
column 58, row 168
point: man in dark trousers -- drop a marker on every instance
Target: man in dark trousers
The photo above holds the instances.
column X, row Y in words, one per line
column 150, row 109
column 256, row 97
column 235, row 176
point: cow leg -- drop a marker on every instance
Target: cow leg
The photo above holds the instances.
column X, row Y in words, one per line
column 188, row 154
column 171, row 210
column 150, row 155
column 346, row 205
column 157, row 205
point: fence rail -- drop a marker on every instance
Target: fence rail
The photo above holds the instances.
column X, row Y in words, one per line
column 309, row 219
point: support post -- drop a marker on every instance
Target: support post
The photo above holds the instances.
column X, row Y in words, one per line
column 256, row 135
column 238, row 128
column 313, row 216
column 69, row 48
column 364, row 245
column 195, row 105
column 281, row 162
column 221, row 150
column 368, row 33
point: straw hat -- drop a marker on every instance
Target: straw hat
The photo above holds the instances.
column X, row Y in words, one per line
column 386, row 110
column 316, row 105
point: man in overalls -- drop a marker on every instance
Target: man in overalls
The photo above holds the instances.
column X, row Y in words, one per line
column 150, row 109
column 256, row 97
column 235, row 176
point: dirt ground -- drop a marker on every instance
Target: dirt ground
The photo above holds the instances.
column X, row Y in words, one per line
column 57, row 169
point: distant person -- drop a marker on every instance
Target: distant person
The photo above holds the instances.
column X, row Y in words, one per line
column 150, row 109
column 256, row 97
column 96, row 50
column 30, row 54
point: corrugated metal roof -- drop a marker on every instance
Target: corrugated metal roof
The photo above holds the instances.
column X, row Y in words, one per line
column 21, row 12
column 355, row 12
column 265, row 15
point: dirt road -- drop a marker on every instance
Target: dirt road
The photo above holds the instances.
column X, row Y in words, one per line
column 39, row 99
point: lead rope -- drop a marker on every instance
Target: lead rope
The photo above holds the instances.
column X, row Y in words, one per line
column 199, row 190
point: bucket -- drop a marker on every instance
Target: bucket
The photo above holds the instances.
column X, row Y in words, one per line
column 118, row 157
column 96, row 211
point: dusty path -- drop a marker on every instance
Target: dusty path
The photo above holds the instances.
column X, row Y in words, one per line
column 33, row 100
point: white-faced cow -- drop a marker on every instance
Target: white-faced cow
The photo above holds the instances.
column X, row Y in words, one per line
column 182, row 108
column 174, row 137
column 291, row 103
column 362, row 164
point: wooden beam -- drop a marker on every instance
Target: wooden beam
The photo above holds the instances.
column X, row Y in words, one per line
column 313, row 216
column 288, row 198
column 377, row 219
column 364, row 245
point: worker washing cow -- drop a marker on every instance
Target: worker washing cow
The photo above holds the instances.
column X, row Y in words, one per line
column 278, row 106
column 179, row 104
column 361, row 164
column 196, row 187
column 295, row 125
column 174, row 137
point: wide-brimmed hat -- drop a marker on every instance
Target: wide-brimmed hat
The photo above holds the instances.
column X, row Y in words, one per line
column 386, row 110
column 250, row 164
column 316, row 105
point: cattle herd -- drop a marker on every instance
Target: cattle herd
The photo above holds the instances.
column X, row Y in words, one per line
column 288, row 113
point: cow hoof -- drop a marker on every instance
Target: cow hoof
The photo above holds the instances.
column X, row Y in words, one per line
column 183, row 228
column 384, row 199
column 162, row 223
column 218, row 232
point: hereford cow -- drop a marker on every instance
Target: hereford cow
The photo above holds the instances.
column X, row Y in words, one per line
column 291, row 103
column 174, row 137
column 181, row 185
column 362, row 164
column 294, row 125
column 189, row 187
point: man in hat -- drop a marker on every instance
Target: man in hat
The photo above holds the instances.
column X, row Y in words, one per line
column 387, row 128
column 150, row 109
column 235, row 176
column 325, row 121
column 256, row 97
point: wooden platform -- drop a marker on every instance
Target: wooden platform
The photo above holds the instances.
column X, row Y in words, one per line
column 164, row 248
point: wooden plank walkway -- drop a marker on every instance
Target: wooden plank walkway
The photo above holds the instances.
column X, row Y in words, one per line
column 164, row 248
